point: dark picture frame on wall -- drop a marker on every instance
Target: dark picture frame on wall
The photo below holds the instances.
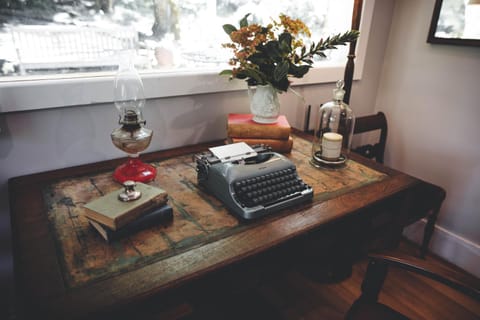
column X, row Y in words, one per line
column 455, row 22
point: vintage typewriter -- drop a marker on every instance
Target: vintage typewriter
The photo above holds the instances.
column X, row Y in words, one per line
column 254, row 183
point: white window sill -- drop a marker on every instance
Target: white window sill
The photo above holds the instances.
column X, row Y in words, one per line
column 24, row 95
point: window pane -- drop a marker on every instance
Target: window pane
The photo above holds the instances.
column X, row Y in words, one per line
column 42, row 37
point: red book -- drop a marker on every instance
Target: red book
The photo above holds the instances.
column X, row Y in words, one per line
column 240, row 125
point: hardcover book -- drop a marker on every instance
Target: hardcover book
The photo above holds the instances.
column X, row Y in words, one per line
column 283, row 146
column 156, row 216
column 242, row 126
column 114, row 213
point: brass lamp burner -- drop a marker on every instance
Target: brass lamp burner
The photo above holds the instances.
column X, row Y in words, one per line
column 132, row 137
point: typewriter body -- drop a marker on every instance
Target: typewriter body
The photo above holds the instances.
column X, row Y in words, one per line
column 252, row 186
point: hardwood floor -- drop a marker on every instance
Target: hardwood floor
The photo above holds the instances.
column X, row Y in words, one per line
column 286, row 293
column 279, row 290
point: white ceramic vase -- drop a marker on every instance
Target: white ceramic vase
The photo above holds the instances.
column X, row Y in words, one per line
column 264, row 104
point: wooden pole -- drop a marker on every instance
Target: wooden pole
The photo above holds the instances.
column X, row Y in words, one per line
column 349, row 68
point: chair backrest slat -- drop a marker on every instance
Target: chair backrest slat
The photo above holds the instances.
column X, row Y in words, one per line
column 371, row 123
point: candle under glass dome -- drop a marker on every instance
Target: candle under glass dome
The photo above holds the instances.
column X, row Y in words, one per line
column 333, row 131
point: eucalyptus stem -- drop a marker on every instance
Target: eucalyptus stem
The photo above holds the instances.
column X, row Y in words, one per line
column 330, row 43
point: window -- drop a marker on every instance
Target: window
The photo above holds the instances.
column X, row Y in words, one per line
column 69, row 43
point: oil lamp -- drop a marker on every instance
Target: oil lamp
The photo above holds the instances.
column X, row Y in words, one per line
column 132, row 137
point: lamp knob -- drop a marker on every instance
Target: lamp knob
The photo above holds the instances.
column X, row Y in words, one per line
column 129, row 194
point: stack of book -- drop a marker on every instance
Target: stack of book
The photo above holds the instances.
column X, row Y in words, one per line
column 241, row 128
column 114, row 219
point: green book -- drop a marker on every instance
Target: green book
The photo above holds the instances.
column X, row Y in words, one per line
column 156, row 216
column 114, row 213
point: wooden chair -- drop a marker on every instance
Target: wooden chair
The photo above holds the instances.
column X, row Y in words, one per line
column 367, row 305
column 371, row 123
column 428, row 198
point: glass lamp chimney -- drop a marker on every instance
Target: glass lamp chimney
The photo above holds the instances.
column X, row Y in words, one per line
column 129, row 95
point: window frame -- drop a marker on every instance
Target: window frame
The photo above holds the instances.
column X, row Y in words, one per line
column 28, row 94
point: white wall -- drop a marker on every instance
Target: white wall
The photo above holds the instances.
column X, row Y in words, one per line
column 430, row 96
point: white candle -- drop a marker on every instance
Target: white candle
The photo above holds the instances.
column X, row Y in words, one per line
column 331, row 145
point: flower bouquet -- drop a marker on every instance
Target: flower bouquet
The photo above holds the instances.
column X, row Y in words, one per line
column 269, row 55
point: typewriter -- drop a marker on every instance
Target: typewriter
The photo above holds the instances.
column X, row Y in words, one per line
column 254, row 183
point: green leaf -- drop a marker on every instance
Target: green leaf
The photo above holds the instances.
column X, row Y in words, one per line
column 258, row 58
column 281, row 71
column 243, row 21
column 228, row 28
column 241, row 75
column 272, row 49
column 251, row 73
column 285, row 40
column 226, row 73
column 298, row 71
column 296, row 58
column 251, row 82
column 285, row 49
column 281, row 85
column 267, row 70
column 285, row 36
column 336, row 40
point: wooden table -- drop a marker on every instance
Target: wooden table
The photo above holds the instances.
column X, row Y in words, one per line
column 63, row 269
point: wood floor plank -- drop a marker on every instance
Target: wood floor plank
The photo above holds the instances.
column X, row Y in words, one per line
column 290, row 294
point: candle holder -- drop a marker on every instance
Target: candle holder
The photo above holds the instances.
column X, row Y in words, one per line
column 132, row 137
column 333, row 131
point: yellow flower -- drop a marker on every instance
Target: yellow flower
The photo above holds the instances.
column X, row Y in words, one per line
column 293, row 26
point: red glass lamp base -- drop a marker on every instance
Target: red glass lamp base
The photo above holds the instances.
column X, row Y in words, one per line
column 136, row 170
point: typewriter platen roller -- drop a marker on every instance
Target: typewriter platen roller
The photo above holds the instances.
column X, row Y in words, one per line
column 253, row 186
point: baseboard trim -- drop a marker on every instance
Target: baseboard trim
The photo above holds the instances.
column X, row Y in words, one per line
column 451, row 247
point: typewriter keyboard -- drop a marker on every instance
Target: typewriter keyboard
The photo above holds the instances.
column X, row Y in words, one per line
column 270, row 188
